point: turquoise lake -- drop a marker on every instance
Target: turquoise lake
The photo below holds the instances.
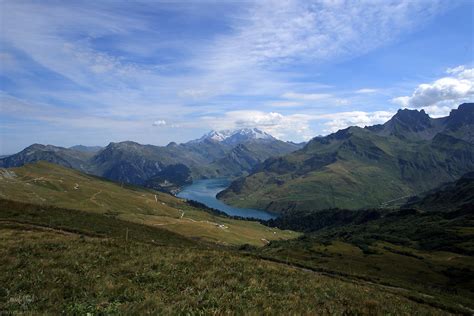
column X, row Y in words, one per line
column 205, row 191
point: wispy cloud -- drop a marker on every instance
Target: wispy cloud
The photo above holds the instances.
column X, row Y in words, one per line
column 121, row 64
column 298, row 31
column 285, row 104
column 306, row 96
column 366, row 91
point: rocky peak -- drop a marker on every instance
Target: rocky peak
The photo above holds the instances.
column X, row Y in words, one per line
column 463, row 115
column 412, row 118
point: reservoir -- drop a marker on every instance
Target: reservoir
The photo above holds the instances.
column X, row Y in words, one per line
column 205, row 191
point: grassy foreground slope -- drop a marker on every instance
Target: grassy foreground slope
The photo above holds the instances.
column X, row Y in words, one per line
column 420, row 267
column 63, row 260
column 46, row 270
column 49, row 184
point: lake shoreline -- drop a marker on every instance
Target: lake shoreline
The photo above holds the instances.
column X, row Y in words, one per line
column 204, row 191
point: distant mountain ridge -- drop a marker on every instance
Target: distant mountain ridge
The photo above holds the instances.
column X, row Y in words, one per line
column 134, row 163
column 66, row 157
column 363, row 167
column 92, row 149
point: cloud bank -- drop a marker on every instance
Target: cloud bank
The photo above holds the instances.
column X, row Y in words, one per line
column 440, row 96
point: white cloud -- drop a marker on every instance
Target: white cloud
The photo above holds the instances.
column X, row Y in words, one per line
column 439, row 110
column 446, row 92
column 342, row 120
column 194, row 93
column 284, row 104
column 462, row 72
column 305, row 96
column 159, row 123
column 366, row 91
column 342, row 101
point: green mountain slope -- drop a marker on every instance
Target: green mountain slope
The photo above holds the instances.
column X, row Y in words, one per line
column 67, row 157
column 133, row 163
column 363, row 167
column 457, row 195
column 52, row 185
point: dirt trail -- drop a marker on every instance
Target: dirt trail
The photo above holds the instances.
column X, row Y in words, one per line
column 93, row 200
column 400, row 198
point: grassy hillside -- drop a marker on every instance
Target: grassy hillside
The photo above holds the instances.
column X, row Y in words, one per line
column 118, row 259
column 426, row 248
column 361, row 168
column 48, row 184
column 47, row 270
column 427, row 253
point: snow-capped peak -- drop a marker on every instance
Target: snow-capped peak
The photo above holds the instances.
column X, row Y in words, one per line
column 254, row 133
column 217, row 136
column 235, row 136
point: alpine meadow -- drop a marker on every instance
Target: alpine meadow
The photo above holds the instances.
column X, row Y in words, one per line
column 274, row 157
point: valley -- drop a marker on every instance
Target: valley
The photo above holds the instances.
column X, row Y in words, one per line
column 277, row 157
column 350, row 222
column 343, row 262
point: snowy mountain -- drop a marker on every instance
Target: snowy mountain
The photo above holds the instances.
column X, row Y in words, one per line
column 233, row 137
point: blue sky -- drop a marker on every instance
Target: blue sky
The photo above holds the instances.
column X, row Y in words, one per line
column 93, row 72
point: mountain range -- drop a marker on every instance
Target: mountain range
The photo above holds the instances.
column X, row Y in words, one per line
column 87, row 231
column 216, row 154
column 363, row 167
column 352, row 168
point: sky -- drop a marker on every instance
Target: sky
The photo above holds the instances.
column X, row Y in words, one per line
column 94, row 72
